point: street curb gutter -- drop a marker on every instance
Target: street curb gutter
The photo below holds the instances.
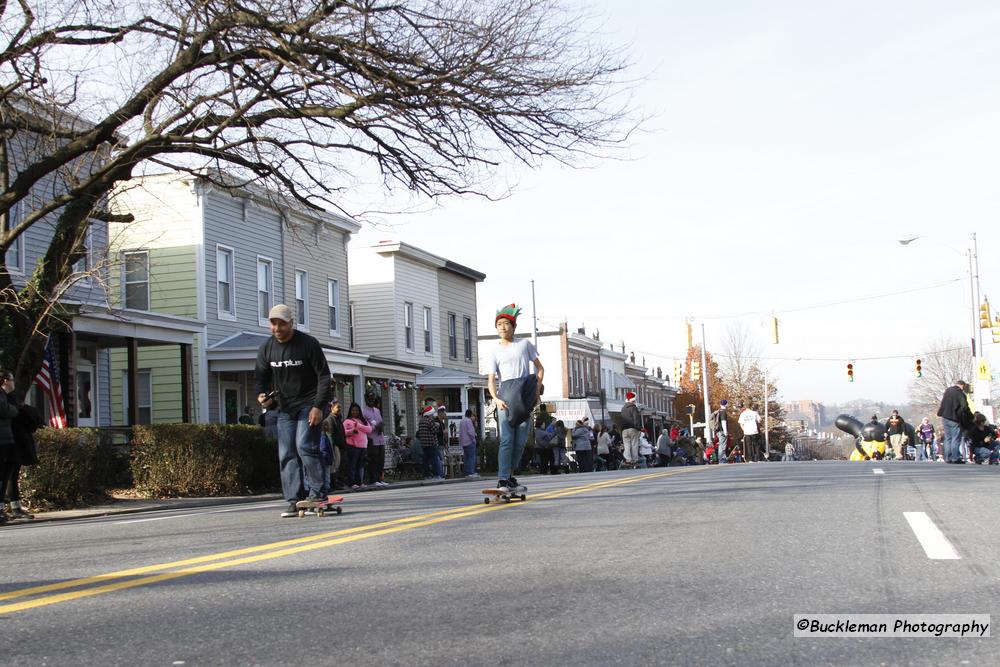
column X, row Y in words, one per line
column 142, row 505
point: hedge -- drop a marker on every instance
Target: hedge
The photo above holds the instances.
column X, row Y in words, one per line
column 202, row 460
column 75, row 466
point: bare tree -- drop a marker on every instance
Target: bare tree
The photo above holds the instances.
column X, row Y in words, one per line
column 743, row 378
column 948, row 360
column 297, row 96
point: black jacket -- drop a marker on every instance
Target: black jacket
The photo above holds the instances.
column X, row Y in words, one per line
column 8, row 410
column 297, row 369
column 27, row 421
column 630, row 416
column 955, row 407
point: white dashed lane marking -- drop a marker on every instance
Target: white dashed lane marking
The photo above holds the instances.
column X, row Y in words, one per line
column 935, row 544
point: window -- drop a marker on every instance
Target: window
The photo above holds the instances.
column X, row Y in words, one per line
column 350, row 322
column 333, row 303
column 427, row 330
column 224, row 282
column 265, row 287
column 15, row 253
column 85, row 263
column 467, row 337
column 452, row 336
column 137, row 280
column 408, row 325
column 302, row 299
column 144, row 398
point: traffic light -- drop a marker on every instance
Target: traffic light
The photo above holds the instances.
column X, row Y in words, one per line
column 678, row 371
column 774, row 330
column 695, row 370
column 916, row 369
column 850, row 372
column 996, row 330
column 985, row 322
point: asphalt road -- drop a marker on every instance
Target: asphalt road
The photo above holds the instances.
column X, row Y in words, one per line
column 692, row 566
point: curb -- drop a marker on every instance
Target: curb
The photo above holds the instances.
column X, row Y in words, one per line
column 139, row 506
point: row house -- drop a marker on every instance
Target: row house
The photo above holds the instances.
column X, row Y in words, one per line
column 223, row 254
column 95, row 328
column 585, row 378
column 420, row 308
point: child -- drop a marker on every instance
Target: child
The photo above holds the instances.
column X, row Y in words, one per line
column 356, row 428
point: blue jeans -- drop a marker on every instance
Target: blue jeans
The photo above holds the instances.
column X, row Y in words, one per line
column 952, row 440
column 432, row 462
column 469, row 459
column 512, row 441
column 355, row 466
column 987, row 453
column 299, row 458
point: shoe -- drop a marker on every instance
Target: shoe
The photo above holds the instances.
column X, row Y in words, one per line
column 355, row 487
column 502, row 484
column 474, row 476
column 513, row 482
column 382, row 484
column 18, row 513
column 291, row 511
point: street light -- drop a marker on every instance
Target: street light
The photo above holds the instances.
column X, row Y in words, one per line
column 976, row 339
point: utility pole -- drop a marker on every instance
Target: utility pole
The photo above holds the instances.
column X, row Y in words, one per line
column 704, row 384
column 534, row 317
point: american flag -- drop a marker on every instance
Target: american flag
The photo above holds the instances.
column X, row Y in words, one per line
column 48, row 380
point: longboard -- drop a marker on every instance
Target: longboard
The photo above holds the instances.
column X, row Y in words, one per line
column 332, row 503
column 505, row 494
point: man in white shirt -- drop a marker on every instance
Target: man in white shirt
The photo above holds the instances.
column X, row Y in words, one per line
column 749, row 421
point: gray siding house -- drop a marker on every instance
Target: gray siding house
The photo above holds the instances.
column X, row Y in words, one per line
column 97, row 327
column 420, row 308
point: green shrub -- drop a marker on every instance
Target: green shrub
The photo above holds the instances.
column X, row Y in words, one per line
column 490, row 449
column 75, row 465
column 202, row 459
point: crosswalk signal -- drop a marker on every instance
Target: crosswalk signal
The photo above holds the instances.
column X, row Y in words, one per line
column 850, row 372
column 985, row 322
column 678, row 371
column 917, row 370
column 996, row 330
column 695, row 371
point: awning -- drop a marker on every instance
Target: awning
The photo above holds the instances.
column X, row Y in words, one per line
column 113, row 327
column 433, row 376
column 623, row 381
column 239, row 353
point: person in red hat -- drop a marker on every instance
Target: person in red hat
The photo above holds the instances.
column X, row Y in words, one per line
column 520, row 387
column 429, row 435
column 631, row 424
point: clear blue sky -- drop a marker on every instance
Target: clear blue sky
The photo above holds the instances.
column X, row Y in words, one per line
column 791, row 143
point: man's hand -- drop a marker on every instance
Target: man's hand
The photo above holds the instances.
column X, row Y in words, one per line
column 315, row 417
column 501, row 404
column 261, row 398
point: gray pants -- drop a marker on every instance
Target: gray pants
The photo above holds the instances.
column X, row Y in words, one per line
column 630, row 438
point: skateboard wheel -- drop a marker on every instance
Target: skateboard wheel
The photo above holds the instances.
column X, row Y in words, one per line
column 524, row 497
column 320, row 512
column 339, row 510
column 486, row 500
column 302, row 513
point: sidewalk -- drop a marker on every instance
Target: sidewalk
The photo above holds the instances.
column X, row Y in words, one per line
column 136, row 505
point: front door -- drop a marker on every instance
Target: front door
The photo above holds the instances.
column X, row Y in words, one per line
column 86, row 395
column 229, row 396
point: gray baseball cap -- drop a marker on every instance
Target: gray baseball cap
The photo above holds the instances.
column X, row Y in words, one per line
column 281, row 312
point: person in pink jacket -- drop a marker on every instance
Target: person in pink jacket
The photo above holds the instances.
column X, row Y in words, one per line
column 356, row 428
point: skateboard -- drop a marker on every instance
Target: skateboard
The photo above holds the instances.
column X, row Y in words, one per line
column 499, row 495
column 332, row 504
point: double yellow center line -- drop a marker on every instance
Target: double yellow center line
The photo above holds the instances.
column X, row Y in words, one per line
column 48, row 594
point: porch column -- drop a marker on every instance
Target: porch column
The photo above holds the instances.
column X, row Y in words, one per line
column 464, row 395
column 132, row 345
column 67, row 368
column 186, row 360
column 481, row 413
